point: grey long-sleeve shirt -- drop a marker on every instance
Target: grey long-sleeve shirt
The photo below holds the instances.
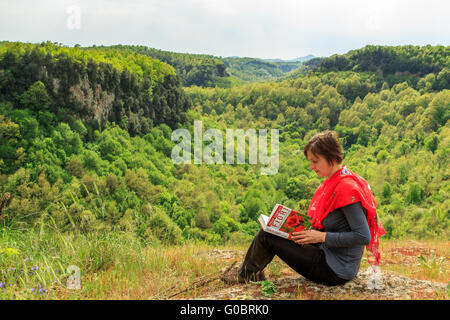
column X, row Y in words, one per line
column 347, row 234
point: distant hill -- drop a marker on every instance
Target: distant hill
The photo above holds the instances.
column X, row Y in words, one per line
column 386, row 60
column 254, row 69
column 210, row 71
column 300, row 59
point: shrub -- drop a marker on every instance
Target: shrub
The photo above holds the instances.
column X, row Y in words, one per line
column 163, row 227
column 415, row 193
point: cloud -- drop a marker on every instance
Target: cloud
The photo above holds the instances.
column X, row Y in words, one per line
column 264, row 28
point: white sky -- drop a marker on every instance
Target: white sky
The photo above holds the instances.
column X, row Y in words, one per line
column 283, row 29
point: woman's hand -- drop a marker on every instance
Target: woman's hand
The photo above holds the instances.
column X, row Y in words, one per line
column 308, row 236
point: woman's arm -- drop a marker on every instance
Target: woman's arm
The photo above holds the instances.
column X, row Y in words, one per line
column 359, row 234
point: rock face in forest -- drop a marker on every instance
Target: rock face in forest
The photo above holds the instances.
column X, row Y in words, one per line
column 96, row 86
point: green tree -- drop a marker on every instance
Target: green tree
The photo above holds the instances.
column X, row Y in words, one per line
column 9, row 139
column 382, row 156
column 110, row 149
column 91, row 160
column 387, row 191
column 36, row 97
column 225, row 226
column 415, row 193
column 296, row 188
column 432, row 142
column 253, row 206
column 75, row 168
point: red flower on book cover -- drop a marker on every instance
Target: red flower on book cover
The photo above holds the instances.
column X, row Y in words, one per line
column 294, row 221
column 299, row 228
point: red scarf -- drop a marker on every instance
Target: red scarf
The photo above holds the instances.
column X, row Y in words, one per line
column 341, row 189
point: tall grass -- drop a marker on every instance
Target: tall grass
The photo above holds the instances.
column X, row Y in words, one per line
column 425, row 259
column 113, row 265
column 118, row 265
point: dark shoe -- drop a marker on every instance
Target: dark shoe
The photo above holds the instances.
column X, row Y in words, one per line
column 260, row 276
column 233, row 277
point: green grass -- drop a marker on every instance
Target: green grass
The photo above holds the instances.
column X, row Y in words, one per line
column 34, row 265
column 112, row 265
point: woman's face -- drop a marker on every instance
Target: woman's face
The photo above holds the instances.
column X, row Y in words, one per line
column 320, row 165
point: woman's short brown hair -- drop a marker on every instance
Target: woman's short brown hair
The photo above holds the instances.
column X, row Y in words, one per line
column 326, row 144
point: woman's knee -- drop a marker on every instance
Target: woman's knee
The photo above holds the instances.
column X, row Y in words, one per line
column 270, row 241
column 263, row 236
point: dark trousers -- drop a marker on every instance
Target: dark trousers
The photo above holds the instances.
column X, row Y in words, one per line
column 307, row 260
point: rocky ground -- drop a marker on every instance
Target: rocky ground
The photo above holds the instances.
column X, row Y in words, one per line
column 290, row 285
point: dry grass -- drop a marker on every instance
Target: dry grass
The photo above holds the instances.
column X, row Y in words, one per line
column 161, row 272
column 403, row 257
column 168, row 270
column 121, row 268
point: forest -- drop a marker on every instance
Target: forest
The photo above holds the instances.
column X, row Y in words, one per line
column 210, row 71
column 193, row 69
column 86, row 142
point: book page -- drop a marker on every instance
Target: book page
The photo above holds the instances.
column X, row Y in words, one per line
column 265, row 219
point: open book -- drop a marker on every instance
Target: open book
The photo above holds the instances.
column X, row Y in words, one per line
column 283, row 221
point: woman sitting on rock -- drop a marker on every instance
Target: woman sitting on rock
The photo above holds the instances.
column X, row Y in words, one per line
column 344, row 216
